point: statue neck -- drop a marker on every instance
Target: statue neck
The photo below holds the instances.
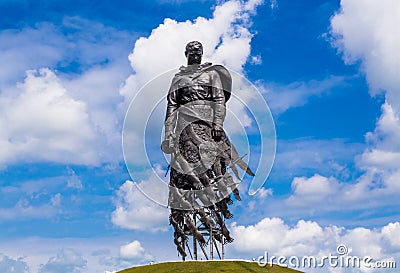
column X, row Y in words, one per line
column 193, row 67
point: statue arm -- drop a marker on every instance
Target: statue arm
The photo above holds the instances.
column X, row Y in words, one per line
column 218, row 98
column 171, row 114
column 167, row 144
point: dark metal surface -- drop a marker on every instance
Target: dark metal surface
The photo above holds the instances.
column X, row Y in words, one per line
column 201, row 153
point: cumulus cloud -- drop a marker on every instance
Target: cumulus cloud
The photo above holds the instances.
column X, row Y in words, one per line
column 312, row 191
column 67, row 260
column 384, row 147
column 226, row 40
column 278, row 237
column 367, row 31
column 44, row 123
column 364, row 32
column 63, row 255
column 28, row 48
column 307, row 238
column 225, row 37
column 57, row 116
column 127, row 255
column 320, row 195
column 327, row 180
column 134, row 251
column 10, row 265
column 135, row 210
column 75, row 44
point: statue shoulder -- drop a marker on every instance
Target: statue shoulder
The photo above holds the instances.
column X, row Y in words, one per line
column 225, row 76
column 174, row 83
column 219, row 68
column 206, row 65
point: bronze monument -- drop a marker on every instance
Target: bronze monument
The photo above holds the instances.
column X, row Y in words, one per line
column 201, row 153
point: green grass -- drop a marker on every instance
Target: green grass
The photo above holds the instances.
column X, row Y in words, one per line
column 207, row 267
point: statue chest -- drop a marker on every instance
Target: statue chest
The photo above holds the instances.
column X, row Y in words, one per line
column 195, row 87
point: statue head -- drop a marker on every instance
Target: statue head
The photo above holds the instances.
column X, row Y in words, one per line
column 194, row 52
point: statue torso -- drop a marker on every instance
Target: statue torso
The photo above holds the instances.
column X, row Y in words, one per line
column 193, row 85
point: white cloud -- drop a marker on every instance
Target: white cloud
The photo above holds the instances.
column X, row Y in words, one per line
column 63, row 255
column 10, row 265
column 392, row 233
column 24, row 209
column 134, row 251
column 312, row 191
column 320, row 195
column 98, row 88
column 263, row 193
column 276, row 237
column 27, row 49
column 44, row 123
column 366, row 31
column 73, row 180
column 273, row 4
column 362, row 32
column 135, row 210
column 45, row 199
column 67, row 260
column 74, row 43
column 256, row 60
column 384, row 151
column 340, row 178
column 71, row 113
column 225, row 39
column 309, row 238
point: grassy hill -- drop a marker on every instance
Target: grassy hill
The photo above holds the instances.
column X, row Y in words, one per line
column 208, row 267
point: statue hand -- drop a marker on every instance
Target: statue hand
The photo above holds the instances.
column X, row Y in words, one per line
column 167, row 146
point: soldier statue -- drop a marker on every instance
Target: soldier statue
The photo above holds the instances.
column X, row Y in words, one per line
column 200, row 150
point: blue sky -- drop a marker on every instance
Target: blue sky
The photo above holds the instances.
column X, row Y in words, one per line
column 327, row 69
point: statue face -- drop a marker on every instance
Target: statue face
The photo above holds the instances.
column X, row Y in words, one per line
column 194, row 55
